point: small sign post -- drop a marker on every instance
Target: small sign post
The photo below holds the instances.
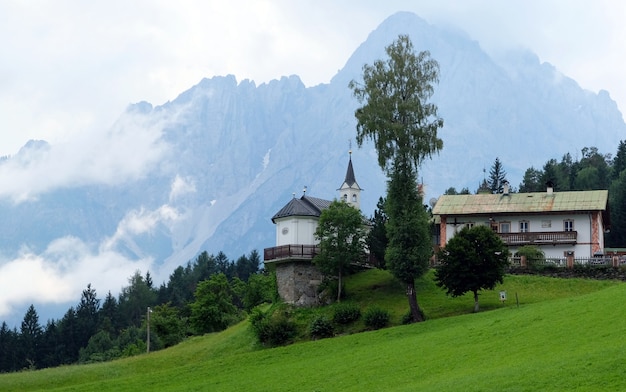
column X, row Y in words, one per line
column 502, row 296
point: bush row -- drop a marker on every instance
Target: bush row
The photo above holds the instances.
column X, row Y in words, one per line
column 276, row 327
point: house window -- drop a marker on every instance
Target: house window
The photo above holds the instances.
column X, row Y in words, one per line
column 493, row 225
column 469, row 225
column 505, row 227
column 568, row 225
column 523, row 226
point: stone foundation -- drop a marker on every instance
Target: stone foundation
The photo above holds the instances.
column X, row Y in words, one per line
column 298, row 282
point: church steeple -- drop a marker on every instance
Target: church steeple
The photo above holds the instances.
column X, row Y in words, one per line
column 350, row 191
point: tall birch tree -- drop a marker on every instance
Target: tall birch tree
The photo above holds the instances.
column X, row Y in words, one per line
column 397, row 116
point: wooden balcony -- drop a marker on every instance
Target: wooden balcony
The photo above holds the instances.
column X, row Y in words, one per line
column 540, row 238
column 301, row 252
column 286, row 253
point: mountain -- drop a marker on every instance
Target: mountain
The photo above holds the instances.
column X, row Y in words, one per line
column 229, row 154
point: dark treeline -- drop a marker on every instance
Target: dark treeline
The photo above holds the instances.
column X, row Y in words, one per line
column 206, row 295
column 592, row 171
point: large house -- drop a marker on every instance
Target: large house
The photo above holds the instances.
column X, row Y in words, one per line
column 562, row 224
column 297, row 278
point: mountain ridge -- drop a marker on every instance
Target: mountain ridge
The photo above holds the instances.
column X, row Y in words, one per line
column 223, row 156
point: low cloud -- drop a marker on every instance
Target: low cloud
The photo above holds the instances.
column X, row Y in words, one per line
column 181, row 186
column 127, row 151
column 60, row 273
column 68, row 264
column 138, row 222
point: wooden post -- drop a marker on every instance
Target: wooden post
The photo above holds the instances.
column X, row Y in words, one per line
column 570, row 260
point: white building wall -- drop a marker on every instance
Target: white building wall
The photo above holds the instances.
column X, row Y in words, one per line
column 296, row 230
column 545, row 223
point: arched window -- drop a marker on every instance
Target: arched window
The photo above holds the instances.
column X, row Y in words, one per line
column 354, row 198
column 345, row 197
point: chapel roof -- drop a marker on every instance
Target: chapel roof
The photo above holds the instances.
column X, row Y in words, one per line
column 304, row 206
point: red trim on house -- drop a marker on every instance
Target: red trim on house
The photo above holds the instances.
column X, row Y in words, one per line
column 442, row 231
column 595, row 233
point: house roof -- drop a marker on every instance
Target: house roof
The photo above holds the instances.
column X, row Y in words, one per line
column 516, row 203
column 304, row 206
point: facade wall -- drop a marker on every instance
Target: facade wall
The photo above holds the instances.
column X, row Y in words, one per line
column 587, row 225
column 296, row 230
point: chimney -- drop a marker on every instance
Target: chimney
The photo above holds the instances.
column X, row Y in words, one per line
column 549, row 187
column 505, row 188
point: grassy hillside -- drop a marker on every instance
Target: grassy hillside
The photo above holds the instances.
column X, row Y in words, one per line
column 565, row 335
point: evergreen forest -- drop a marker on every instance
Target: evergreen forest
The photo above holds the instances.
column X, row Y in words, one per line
column 206, row 295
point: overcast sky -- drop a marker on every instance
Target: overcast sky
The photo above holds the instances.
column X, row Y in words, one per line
column 69, row 67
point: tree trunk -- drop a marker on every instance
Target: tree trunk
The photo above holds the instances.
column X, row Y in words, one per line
column 339, row 288
column 475, row 301
column 416, row 315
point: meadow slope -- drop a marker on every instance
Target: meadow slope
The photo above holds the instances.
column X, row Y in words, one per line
column 574, row 342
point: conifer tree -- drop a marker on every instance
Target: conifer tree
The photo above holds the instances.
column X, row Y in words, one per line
column 497, row 177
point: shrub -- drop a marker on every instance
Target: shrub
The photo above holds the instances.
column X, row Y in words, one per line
column 531, row 252
column 258, row 322
column 280, row 331
column 375, row 318
column 346, row 313
column 273, row 329
column 534, row 257
column 321, row 328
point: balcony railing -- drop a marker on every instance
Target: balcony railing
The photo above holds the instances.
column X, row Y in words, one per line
column 304, row 252
column 308, row 252
column 539, row 238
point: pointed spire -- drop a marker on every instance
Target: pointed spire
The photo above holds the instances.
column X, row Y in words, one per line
column 350, row 191
column 350, row 179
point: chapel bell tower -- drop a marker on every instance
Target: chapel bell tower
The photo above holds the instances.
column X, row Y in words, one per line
column 350, row 191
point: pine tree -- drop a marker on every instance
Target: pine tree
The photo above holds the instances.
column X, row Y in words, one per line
column 531, row 181
column 377, row 237
column 410, row 246
column 30, row 338
column 619, row 162
column 87, row 315
column 617, row 203
column 497, row 177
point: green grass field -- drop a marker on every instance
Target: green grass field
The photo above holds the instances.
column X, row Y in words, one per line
column 566, row 335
